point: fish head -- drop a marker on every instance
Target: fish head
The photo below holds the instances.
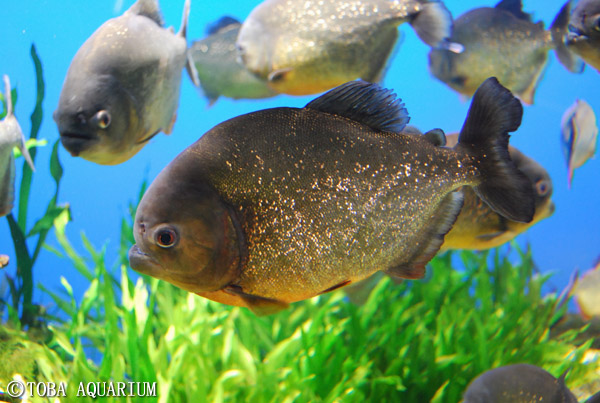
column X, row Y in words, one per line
column 95, row 118
column 185, row 235
column 540, row 180
column 254, row 47
column 584, row 29
column 444, row 66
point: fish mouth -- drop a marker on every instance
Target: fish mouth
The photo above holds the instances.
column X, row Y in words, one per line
column 143, row 262
column 75, row 143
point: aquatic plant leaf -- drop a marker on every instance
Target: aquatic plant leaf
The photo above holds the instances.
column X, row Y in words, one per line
column 56, row 169
column 30, row 144
column 47, row 221
column 3, row 100
column 36, row 122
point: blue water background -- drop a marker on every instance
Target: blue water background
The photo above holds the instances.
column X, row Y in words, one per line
column 99, row 195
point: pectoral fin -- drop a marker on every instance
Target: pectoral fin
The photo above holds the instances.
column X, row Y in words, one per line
column 259, row 305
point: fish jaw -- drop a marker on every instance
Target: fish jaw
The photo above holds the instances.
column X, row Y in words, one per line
column 143, row 262
column 77, row 143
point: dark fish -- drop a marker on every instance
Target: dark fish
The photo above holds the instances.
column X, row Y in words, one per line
column 218, row 66
column 519, row 383
column 122, row 87
column 480, row 227
column 11, row 136
column 309, row 46
column 584, row 31
column 579, row 135
column 500, row 42
column 284, row 204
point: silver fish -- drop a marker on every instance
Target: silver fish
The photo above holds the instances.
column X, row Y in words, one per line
column 11, row 136
column 584, row 31
column 283, row 204
column 587, row 293
column 218, row 66
column 579, row 135
column 501, row 42
column 309, row 46
column 122, row 87
column 518, row 383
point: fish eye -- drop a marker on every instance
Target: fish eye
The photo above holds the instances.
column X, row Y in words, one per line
column 166, row 238
column 597, row 23
column 541, row 187
column 102, row 119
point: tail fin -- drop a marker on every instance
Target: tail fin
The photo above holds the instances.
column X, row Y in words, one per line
column 189, row 65
column 558, row 30
column 493, row 113
column 433, row 25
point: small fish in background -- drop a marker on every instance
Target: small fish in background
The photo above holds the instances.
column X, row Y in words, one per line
column 122, row 87
column 584, row 31
column 11, row 136
column 587, row 293
column 579, row 134
column 4, row 261
column 284, row 204
column 307, row 47
column 480, row 227
column 501, row 42
column 219, row 71
column 518, row 383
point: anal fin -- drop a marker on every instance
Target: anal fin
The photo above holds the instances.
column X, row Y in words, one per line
column 431, row 241
column 259, row 305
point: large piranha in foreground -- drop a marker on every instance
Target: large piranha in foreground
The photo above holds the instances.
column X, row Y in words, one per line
column 284, row 204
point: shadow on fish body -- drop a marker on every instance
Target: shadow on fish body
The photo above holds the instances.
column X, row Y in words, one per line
column 283, row 204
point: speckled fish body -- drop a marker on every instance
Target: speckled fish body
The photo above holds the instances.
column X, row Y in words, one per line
column 584, row 32
column 11, row 136
column 519, row 383
column 284, row 204
column 309, row 46
column 587, row 293
column 219, row 70
column 480, row 227
column 579, row 135
column 122, row 86
column 499, row 42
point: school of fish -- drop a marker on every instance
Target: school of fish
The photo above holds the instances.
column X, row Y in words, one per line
column 284, row 204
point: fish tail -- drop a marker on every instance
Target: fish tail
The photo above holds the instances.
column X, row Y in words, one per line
column 433, row 25
column 9, row 104
column 558, row 32
column 495, row 112
column 190, row 66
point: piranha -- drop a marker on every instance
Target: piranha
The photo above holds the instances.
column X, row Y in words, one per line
column 219, row 70
column 502, row 42
column 587, row 293
column 284, row 204
column 518, row 383
column 480, row 227
column 579, row 135
column 307, row 47
column 122, row 87
column 584, row 31
column 11, row 136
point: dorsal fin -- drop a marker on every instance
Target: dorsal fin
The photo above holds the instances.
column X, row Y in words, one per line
column 515, row 7
column 437, row 137
column 221, row 24
column 366, row 103
column 147, row 8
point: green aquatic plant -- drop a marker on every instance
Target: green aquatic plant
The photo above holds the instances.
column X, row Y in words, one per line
column 21, row 287
column 414, row 342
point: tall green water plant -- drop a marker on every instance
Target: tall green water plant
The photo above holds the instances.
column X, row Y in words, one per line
column 21, row 287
